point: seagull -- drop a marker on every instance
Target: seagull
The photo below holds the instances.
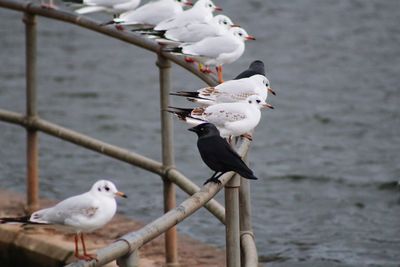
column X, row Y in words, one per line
column 256, row 67
column 79, row 214
column 218, row 155
column 231, row 119
column 201, row 11
column 111, row 6
column 195, row 31
column 152, row 13
column 217, row 50
column 230, row 91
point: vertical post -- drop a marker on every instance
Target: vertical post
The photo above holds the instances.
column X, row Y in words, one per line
column 129, row 260
column 171, row 239
column 232, row 222
column 31, row 112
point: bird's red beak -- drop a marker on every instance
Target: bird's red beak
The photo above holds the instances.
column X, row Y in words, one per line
column 250, row 37
column 217, row 8
column 267, row 106
column 235, row 25
column 121, row 194
column 188, row 4
column 271, row 91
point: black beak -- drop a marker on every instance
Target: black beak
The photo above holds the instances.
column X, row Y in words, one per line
column 193, row 129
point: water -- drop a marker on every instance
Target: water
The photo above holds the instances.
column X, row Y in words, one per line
column 328, row 155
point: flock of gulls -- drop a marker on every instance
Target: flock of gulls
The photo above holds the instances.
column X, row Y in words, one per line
column 230, row 109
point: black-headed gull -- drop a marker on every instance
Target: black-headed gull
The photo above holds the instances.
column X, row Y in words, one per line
column 216, row 51
column 231, row 119
column 79, row 214
column 201, row 11
column 196, row 31
column 152, row 13
column 111, row 6
column 230, row 91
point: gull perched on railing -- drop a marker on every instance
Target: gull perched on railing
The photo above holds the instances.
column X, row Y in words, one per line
column 230, row 91
column 231, row 119
column 111, row 6
column 201, row 11
column 215, row 51
column 152, row 13
column 78, row 214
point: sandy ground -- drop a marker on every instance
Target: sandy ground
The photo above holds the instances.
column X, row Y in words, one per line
column 191, row 252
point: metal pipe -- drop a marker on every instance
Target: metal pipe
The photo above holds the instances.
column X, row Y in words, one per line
column 171, row 237
column 232, row 222
column 111, row 31
column 32, row 158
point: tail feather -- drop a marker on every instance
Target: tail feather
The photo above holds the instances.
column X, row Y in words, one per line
column 182, row 113
column 186, row 94
column 73, row 1
column 173, row 49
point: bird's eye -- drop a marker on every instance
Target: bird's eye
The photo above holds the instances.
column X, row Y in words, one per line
column 99, row 189
column 266, row 84
column 250, row 101
column 240, row 34
column 179, row 1
column 258, row 101
column 225, row 22
column 107, row 188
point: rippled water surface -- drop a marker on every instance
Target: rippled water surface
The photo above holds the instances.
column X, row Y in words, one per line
column 328, row 155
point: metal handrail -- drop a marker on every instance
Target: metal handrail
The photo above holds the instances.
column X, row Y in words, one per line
column 128, row 244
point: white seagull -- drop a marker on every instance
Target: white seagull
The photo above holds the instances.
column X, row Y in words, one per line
column 231, row 119
column 111, row 6
column 215, row 51
column 152, row 13
column 230, row 91
column 79, row 214
column 201, row 11
column 196, row 31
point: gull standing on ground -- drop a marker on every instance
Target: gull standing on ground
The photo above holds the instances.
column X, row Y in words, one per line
column 195, row 31
column 230, row 91
column 112, row 6
column 231, row 119
column 218, row 155
column 201, row 11
column 79, row 214
column 216, row 51
column 152, row 13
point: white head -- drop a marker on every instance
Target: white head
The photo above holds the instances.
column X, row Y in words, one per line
column 261, row 80
column 184, row 2
column 106, row 188
column 223, row 21
column 258, row 102
column 207, row 4
column 241, row 34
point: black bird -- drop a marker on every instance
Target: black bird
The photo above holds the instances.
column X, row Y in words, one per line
column 217, row 154
column 256, row 67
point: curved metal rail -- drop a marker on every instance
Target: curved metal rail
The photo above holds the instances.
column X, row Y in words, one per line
column 124, row 248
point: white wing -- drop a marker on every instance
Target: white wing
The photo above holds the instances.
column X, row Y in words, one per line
column 211, row 47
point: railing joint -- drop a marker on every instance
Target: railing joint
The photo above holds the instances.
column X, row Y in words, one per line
column 250, row 233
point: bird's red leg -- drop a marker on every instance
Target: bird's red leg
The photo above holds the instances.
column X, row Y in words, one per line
column 248, row 136
column 86, row 255
column 220, row 75
column 76, row 247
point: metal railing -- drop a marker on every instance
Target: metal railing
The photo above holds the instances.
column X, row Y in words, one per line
column 240, row 245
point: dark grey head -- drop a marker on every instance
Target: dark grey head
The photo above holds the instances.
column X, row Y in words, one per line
column 258, row 66
column 205, row 130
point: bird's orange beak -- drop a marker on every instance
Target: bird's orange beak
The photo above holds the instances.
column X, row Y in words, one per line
column 250, row 37
column 121, row 194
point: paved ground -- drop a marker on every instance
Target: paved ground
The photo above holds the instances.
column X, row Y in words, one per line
column 44, row 245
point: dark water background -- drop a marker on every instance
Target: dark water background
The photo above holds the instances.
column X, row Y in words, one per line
column 328, row 155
